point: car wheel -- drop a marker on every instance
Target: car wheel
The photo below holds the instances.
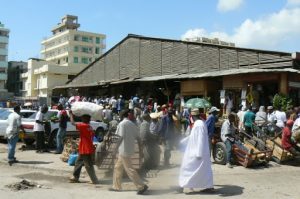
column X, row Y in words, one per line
column 28, row 141
column 52, row 139
column 219, row 153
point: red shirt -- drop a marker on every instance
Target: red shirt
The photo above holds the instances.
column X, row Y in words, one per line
column 86, row 138
column 286, row 138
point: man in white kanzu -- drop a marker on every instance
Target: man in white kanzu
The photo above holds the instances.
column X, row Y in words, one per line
column 196, row 171
column 12, row 133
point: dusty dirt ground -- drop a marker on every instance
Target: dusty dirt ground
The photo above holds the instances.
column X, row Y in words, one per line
column 46, row 170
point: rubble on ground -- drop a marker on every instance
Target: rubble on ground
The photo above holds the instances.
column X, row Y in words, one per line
column 23, row 185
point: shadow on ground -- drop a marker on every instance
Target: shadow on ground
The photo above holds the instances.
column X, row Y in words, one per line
column 34, row 162
column 41, row 176
column 220, row 190
column 228, row 190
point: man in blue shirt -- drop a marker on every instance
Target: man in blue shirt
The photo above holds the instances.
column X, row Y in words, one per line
column 167, row 132
column 210, row 123
column 249, row 119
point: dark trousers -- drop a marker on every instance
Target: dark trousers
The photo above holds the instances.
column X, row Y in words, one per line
column 40, row 140
column 87, row 161
column 249, row 130
column 168, row 147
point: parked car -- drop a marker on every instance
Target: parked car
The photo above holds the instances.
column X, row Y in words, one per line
column 29, row 138
column 4, row 113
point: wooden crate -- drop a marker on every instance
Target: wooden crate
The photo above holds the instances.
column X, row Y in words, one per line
column 279, row 154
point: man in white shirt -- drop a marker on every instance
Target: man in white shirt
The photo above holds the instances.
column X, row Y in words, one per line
column 113, row 104
column 241, row 115
column 270, row 115
column 39, row 129
column 227, row 135
column 280, row 118
column 12, row 133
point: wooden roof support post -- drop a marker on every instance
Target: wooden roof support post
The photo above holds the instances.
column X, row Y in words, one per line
column 283, row 84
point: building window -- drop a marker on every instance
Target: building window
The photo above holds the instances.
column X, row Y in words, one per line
column 71, row 76
column 2, row 45
column 75, row 48
column 76, row 37
column 85, row 49
column 98, row 40
column 97, row 50
column 76, row 60
column 84, row 60
column 2, row 58
column 85, row 39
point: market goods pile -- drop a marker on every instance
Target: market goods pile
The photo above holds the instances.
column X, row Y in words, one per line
column 87, row 108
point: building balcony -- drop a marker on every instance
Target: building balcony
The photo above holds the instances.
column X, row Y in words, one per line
column 3, row 76
column 57, row 46
column 3, row 39
column 58, row 70
column 3, row 64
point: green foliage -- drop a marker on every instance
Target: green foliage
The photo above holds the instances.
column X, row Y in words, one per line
column 283, row 101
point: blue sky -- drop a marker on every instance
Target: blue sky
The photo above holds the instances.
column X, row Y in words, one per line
column 262, row 24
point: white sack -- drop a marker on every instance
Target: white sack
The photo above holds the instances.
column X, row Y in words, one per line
column 87, row 108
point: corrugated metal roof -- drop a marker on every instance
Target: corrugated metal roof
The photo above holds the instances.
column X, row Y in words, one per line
column 186, row 76
column 177, row 41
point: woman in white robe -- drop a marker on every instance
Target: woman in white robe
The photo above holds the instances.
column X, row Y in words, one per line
column 196, row 171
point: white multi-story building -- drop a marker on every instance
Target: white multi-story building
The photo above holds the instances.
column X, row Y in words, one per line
column 69, row 46
column 64, row 55
column 4, row 35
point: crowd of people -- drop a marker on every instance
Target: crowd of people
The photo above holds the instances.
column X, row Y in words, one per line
column 170, row 125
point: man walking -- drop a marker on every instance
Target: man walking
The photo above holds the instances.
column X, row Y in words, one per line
column 39, row 129
column 86, row 149
column 167, row 132
column 62, row 119
column 196, row 171
column 210, row 123
column 12, row 133
column 129, row 133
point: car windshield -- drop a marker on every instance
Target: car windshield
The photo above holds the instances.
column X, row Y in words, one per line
column 4, row 114
column 48, row 115
column 26, row 114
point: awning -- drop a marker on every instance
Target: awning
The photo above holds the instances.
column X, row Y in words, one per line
column 234, row 72
column 77, row 86
column 123, row 81
column 155, row 78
